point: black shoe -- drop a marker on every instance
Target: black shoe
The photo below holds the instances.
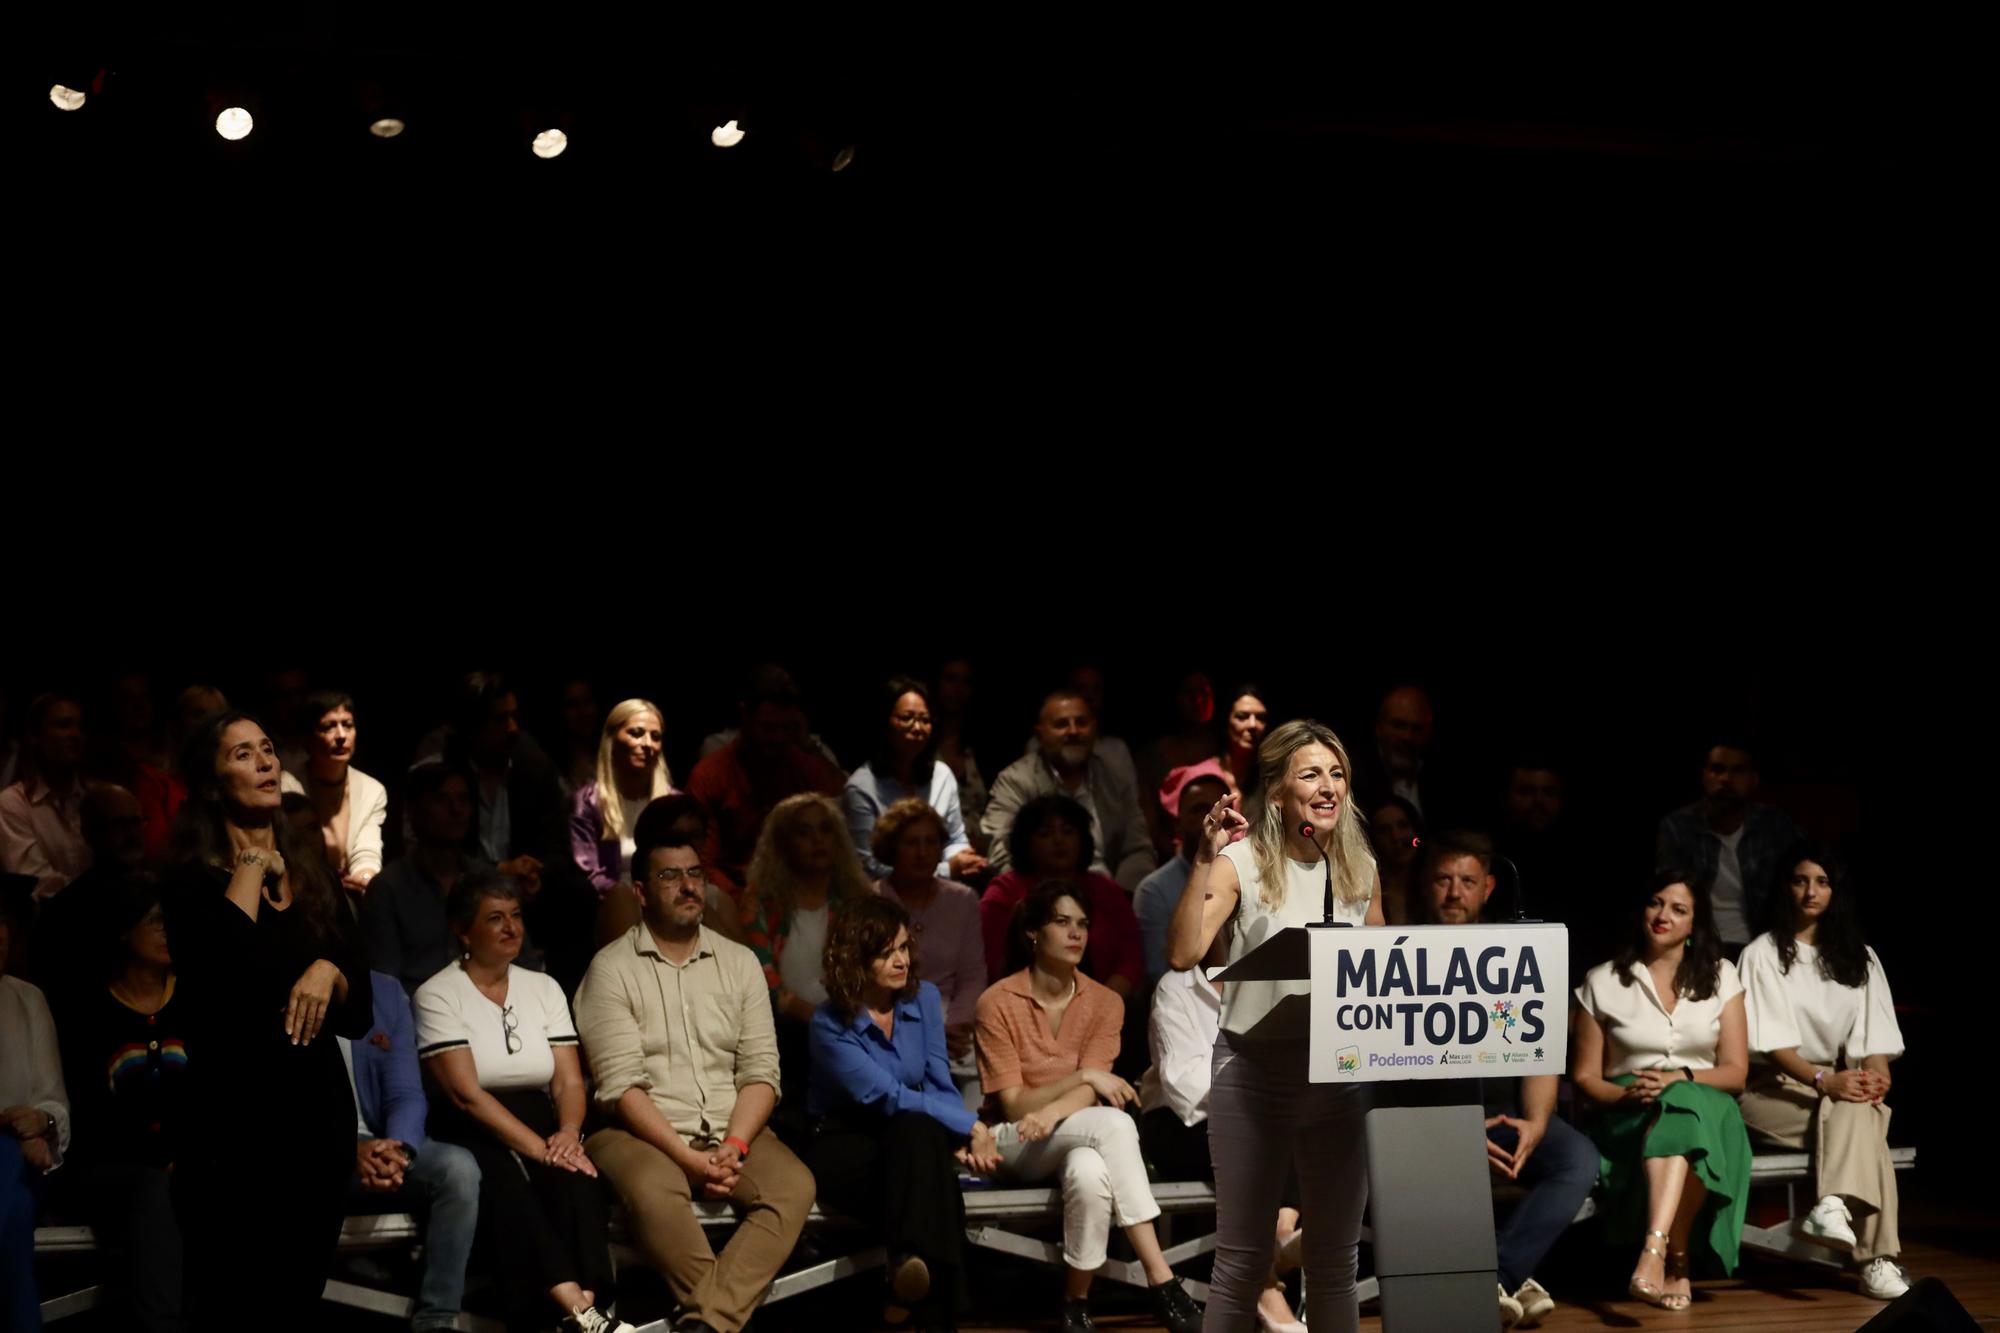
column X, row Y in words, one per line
column 1076, row 1318
column 1175, row 1307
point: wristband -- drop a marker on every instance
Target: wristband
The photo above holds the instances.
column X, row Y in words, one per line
column 1818, row 1078
column 742, row 1148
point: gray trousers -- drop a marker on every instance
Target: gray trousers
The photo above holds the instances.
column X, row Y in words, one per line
column 1265, row 1118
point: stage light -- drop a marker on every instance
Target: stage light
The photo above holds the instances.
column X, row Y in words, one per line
column 234, row 123
column 69, row 99
column 386, row 128
column 844, row 158
column 550, row 143
column 725, row 135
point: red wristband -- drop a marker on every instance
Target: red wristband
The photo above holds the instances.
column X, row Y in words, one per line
column 742, row 1148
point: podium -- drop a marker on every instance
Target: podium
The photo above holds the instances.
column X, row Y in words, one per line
column 1395, row 1003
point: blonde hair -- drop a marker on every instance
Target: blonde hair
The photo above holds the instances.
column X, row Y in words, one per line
column 611, row 809
column 770, row 876
column 1353, row 862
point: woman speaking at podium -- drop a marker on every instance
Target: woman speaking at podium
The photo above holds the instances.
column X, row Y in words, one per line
column 1264, row 1115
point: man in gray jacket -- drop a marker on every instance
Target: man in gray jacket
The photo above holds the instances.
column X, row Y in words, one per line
column 1065, row 762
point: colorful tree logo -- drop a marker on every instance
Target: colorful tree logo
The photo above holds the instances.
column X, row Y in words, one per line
column 1504, row 1018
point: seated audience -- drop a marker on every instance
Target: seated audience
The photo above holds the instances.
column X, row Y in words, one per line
column 768, row 761
column 125, row 1056
column 944, row 917
column 1065, row 762
column 1173, row 1101
column 41, row 815
column 1396, row 831
column 677, row 1023
column 408, row 931
column 574, row 751
column 1193, row 741
column 1050, row 840
column 350, row 806
column 499, row 1046
column 1730, row 840
column 631, row 773
column 1245, row 723
column 681, row 813
column 68, row 939
column 1526, row 1142
column 905, row 765
column 135, row 760
column 34, row 1132
column 1822, row 1033
column 804, row 869
column 397, row 1168
column 265, row 946
column 764, row 678
column 1047, row 1037
column 1188, row 794
column 520, row 828
column 891, row 1127
column 1661, row 1052
column 951, row 715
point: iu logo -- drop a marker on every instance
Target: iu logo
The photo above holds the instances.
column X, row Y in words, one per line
column 1348, row 1059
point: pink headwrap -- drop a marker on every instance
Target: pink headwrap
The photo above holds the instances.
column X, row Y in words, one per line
column 1177, row 780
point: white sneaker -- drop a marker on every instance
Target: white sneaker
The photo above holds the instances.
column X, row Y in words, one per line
column 1829, row 1221
column 1510, row 1309
column 1884, row 1279
column 590, row 1319
column 1535, row 1301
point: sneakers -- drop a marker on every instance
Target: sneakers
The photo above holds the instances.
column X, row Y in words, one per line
column 1076, row 1318
column 1534, row 1300
column 592, row 1320
column 1510, row 1309
column 1830, row 1222
column 1175, row 1307
column 1884, row 1279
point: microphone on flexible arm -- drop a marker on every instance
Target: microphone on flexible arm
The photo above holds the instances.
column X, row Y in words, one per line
column 1521, row 916
column 1306, row 831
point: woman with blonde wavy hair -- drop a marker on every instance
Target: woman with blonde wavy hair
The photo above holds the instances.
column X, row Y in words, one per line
column 631, row 772
column 1264, row 1115
column 802, row 868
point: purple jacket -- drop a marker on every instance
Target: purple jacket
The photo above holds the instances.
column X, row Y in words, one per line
column 598, row 857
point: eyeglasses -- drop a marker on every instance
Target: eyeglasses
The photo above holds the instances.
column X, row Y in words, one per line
column 671, row 875
column 912, row 719
column 511, row 1026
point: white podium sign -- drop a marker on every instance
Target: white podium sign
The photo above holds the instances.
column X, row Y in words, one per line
column 1403, row 1002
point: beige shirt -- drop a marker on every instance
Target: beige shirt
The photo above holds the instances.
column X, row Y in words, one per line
column 41, row 834
column 1639, row 1033
column 692, row 1034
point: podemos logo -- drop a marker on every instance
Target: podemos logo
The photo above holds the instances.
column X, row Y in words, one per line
column 1348, row 1059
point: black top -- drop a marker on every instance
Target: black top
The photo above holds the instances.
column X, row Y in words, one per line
column 236, row 976
column 127, row 1075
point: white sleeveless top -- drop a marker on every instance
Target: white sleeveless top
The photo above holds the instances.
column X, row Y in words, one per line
column 1276, row 1010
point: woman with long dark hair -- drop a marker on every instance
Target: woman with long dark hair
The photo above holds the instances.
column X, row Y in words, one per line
column 268, row 956
column 905, row 765
column 1264, row 1115
column 1661, row 1051
column 1822, row 1033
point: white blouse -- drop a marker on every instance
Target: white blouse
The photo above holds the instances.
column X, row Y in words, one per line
column 1821, row 1018
column 1277, row 1009
column 1639, row 1033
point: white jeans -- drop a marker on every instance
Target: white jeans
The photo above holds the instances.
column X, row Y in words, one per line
column 1103, row 1178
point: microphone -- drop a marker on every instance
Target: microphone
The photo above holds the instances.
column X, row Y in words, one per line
column 1307, row 831
column 1520, row 892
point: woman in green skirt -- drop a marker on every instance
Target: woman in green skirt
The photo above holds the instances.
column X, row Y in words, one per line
column 1662, row 1050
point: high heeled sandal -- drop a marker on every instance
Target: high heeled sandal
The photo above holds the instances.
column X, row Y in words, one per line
column 1638, row 1288
column 1677, row 1267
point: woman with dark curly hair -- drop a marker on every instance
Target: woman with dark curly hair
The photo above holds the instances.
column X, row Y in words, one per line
column 1050, row 839
column 1662, row 1050
column 269, row 960
column 1822, row 1033
column 891, row 1121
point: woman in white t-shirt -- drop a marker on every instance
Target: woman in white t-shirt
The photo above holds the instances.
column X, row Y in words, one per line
column 1661, row 1050
column 1264, row 1115
column 1822, row 1033
column 499, row 1047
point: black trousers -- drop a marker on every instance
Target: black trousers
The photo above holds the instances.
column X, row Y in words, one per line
column 545, row 1225
column 130, row 1207
column 898, row 1173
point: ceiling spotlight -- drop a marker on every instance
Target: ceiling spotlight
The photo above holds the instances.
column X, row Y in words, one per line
column 69, row 99
column 844, row 158
column 386, row 128
column 550, row 143
column 725, row 135
column 234, row 123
